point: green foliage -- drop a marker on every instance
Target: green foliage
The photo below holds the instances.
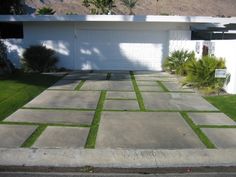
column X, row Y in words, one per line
column 19, row 88
column 45, row 11
column 225, row 104
column 39, row 59
column 13, row 7
column 3, row 53
column 130, row 4
column 99, row 7
column 178, row 62
column 201, row 73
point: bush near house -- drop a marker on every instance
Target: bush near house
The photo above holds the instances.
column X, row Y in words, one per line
column 40, row 59
column 3, row 54
column 6, row 67
column 201, row 73
column 178, row 61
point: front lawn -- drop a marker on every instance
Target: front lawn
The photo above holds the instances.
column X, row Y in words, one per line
column 226, row 104
column 19, row 88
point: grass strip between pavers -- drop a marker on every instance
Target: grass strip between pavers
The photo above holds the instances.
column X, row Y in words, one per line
column 205, row 140
column 164, row 88
column 217, row 126
column 91, row 140
column 80, row 85
column 121, row 99
column 31, row 140
column 137, row 92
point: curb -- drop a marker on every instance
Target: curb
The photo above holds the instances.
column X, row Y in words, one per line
column 117, row 158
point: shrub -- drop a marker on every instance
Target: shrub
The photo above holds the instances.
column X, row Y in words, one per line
column 201, row 73
column 3, row 53
column 178, row 61
column 6, row 66
column 45, row 11
column 39, row 59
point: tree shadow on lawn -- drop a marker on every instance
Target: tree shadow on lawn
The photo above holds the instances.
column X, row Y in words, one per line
column 30, row 79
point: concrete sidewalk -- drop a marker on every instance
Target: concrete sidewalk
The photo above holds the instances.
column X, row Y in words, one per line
column 117, row 158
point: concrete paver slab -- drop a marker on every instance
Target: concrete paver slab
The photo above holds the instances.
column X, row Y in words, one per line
column 65, row 85
column 121, row 95
column 108, row 85
column 154, row 78
column 150, row 88
column 62, row 137
column 176, row 101
column 66, row 99
column 145, row 130
column 52, row 116
column 152, row 73
column 120, row 76
column 222, row 137
column 211, row 119
column 121, row 105
column 147, row 83
column 121, row 85
column 95, row 85
column 12, row 136
column 86, row 76
column 175, row 86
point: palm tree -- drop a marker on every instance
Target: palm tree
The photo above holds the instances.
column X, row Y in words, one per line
column 45, row 11
column 130, row 4
column 99, row 6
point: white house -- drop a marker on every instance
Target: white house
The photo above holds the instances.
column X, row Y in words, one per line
column 117, row 42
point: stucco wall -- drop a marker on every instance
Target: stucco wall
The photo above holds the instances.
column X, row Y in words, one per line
column 57, row 36
column 226, row 50
column 64, row 38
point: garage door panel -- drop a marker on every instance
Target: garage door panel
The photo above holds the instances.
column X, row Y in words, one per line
column 121, row 49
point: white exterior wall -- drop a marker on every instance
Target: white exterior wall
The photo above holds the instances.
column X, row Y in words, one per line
column 57, row 36
column 226, row 50
column 64, row 38
column 181, row 40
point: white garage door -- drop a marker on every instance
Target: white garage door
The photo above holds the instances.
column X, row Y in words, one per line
column 120, row 49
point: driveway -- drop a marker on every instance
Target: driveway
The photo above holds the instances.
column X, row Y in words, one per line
column 118, row 109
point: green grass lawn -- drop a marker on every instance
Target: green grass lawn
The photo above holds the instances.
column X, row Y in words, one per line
column 19, row 88
column 226, row 104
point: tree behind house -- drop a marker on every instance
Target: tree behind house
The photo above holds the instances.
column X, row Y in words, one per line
column 45, row 11
column 99, row 7
column 13, row 7
column 130, row 4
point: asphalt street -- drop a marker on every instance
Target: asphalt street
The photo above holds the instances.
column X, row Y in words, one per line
column 7, row 174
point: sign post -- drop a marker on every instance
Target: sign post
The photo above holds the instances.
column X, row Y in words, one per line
column 221, row 73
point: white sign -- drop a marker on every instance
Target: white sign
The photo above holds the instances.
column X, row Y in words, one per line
column 220, row 73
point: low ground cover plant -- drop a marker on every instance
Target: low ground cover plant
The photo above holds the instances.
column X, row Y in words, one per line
column 40, row 59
